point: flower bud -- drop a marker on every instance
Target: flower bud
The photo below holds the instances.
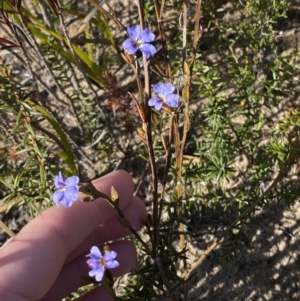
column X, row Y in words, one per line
column 87, row 198
column 114, row 195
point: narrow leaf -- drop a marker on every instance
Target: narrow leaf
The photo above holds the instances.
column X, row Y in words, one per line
column 66, row 154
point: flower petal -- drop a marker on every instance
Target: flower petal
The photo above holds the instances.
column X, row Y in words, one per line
column 72, row 181
column 157, row 88
column 111, row 264
column 147, row 49
column 93, row 263
column 71, row 194
column 97, row 273
column 59, row 181
column 134, row 32
column 167, row 89
column 69, row 197
column 158, row 106
column 58, row 195
column 95, row 252
column 153, row 100
column 71, row 189
column 93, row 272
column 172, row 100
column 147, row 36
column 67, row 202
column 110, row 255
column 156, row 102
column 129, row 46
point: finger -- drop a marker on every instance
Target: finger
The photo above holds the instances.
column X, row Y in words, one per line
column 135, row 212
column 112, row 229
column 34, row 257
column 72, row 274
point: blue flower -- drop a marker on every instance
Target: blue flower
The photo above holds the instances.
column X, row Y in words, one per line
column 67, row 190
column 99, row 263
column 165, row 94
column 139, row 40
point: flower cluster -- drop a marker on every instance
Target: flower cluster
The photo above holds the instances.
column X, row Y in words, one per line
column 165, row 94
column 139, row 40
column 67, row 190
column 99, row 263
column 67, row 193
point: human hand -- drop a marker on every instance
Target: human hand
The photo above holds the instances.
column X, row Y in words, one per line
column 47, row 259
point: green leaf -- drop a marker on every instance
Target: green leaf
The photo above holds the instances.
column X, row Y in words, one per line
column 89, row 67
column 66, row 154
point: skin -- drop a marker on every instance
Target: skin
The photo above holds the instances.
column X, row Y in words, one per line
column 46, row 260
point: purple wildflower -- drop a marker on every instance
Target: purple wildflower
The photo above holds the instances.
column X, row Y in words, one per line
column 67, row 190
column 139, row 40
column 165, row 94
column 99, row 263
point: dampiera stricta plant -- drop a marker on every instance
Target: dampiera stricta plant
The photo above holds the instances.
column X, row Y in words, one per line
column 139, row 40
column 67, row 190
column 220, row 113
